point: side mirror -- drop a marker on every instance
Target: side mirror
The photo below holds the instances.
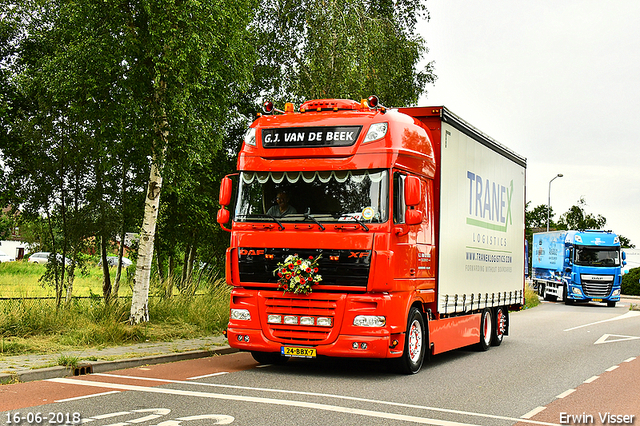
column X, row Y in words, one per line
column 412, row 191
column 413, row 216
column 223, row 216
column 624, row 256
column 226, row 187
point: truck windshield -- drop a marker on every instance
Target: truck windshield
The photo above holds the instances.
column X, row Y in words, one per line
column 597, row 256
column 327, row 196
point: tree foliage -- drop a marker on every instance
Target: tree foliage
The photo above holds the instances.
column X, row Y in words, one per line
column 631, row 282
column 108, row 105
column 100, row 89
column 342, row 49
column 577, row 218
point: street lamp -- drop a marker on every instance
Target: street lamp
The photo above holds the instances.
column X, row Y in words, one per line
column 549, row 201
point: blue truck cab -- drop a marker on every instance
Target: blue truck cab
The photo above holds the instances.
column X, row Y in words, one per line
column 578, row 266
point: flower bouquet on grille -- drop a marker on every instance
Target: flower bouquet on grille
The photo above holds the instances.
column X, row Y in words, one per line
column 297, row 275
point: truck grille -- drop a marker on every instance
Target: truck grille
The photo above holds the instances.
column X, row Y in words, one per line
column 597, row 286
column 341, row 270
column 327, row 306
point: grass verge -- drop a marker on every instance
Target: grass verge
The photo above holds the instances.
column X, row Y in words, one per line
column 35, row 326
column 531, row 298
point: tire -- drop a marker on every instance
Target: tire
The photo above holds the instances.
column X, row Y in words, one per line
column 565, row 296
column 415, row 344
column 486, row 330
column 269, row 358
column 500, row 321
column 549, row 297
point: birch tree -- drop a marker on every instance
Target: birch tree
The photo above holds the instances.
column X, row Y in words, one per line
column 148, row 80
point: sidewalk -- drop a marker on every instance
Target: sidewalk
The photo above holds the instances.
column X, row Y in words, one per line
column 27, row 368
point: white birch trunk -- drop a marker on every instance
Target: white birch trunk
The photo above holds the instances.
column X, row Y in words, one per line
column 140, row 296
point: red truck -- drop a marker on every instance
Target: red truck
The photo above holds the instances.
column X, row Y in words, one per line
column 362, row 231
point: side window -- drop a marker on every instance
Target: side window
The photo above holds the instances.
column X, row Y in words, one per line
column 399, row 206
column 425, row 235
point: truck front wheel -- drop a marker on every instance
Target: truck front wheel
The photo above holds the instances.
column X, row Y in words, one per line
column 414, row 344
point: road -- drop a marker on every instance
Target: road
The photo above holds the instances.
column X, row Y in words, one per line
column 536, row 375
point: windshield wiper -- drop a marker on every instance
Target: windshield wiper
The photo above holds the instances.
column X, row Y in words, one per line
column 276, row 221
column 358, row 221
column 308, row 216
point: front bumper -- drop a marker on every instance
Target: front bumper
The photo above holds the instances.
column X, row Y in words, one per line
column 376, row 346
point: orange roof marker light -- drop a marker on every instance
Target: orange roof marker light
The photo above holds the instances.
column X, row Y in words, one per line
column 288, row 108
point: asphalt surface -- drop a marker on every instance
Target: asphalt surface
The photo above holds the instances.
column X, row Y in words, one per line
column 30, row 368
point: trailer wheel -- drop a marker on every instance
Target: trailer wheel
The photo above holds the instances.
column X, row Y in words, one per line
column 414, row 344
column 269, row 357
column 549, row 297
column 486, row 330
column 499, row 326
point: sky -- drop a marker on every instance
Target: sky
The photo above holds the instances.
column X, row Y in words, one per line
column 558, row 82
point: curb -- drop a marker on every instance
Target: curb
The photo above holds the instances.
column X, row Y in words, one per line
column 88, row 367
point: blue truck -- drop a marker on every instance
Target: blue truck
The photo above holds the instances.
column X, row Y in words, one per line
column 578, row 266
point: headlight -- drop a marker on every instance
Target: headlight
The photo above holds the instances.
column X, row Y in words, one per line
column 274, row 319
column 576, row 290
column 250, row 137
column 240, row 314
column 369, row 321
column 376, row 131
column 323, row 322
column 290, row 319
column 307, row 321
column 616, row 293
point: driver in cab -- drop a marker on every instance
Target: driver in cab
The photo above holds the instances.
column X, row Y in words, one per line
column 282, row 208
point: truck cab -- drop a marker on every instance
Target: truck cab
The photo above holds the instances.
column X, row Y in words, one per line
column 352, row 234
column 588, row 266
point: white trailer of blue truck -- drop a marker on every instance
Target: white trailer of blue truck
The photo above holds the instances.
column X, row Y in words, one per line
column 578, row 266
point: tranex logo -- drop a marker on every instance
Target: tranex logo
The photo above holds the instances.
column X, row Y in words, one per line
column 489, row 203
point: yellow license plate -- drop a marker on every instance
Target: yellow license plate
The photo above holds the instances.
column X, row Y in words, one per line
column 298, row 352
column 596, row 300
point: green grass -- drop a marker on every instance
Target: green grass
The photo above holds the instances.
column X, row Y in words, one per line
column 37, row 326
column 530, row 298
column 21, row 279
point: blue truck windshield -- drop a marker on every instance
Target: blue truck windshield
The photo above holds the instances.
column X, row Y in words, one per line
column 597, row 256
column 331, row 196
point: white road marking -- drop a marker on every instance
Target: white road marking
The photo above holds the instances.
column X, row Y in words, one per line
column 612, row 368
column 86, row 396
column 630, row 359
column 534, row 412
column 565, row 393
column 302, row 404
column 591, row 379
column 629, row 314
column 221, row 373
column 607, row 338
